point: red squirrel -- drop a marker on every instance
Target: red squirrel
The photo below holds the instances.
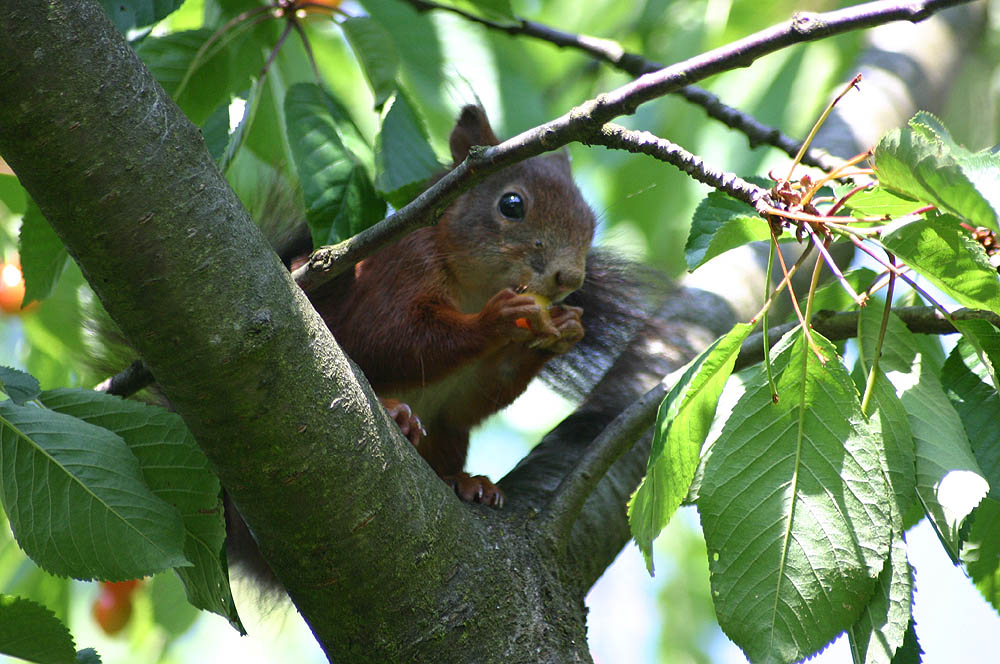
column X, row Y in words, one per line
column 443, row 322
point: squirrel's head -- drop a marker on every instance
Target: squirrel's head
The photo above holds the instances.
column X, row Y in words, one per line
column 526, row 227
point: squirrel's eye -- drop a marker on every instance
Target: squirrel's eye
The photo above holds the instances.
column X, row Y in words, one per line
column 511, row 206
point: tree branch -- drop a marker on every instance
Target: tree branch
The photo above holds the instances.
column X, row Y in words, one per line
column 617, row 137
column 838, row 325
column 128, row 381
column 586, row 119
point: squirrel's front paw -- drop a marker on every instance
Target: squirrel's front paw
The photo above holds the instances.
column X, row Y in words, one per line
column 566, row 320
column 518, row 317
column 475, row 489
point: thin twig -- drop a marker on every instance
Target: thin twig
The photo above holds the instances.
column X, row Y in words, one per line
column 308, row 49
column 772, row 248
column 873, row 369
column 200, row 56
column 832, row 264
column 617, row 137
column 611, row 52
column 277, row 47
column 895, row 270
column 782, row 284
column 815, row 128
column 791, row 292
column 810, row 302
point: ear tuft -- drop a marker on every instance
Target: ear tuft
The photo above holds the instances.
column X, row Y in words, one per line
column 472, row 128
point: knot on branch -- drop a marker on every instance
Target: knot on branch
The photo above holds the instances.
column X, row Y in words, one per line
column 586, row 115
column 323, row 258
column 807, row 24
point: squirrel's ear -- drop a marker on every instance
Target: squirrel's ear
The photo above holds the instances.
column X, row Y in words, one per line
column 561, row 159
column 471, row 129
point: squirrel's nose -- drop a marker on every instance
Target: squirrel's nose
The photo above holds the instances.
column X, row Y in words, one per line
column 568, row 279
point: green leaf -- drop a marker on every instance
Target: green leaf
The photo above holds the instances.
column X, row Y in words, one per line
column 940, row 250
column 76, row 499
column 682, row 423
column 177, row 471
column 879, row 201
column 43, row 256
column 984, row 338
column 981, row 168
column 18, row 385
column 968, row 384
column 403, row 156
column 128, row 14
column 238, row 138
column 87, row 656
column 31, row 632
column 376, row 51
column 340, row 199
column 909, row 163
column 12, row 194
column 928, row 125
column 890, row 421
column 215, row 129
column 435, row 53
column 949, row 481
column 721, row 223
column 880, row 631
column 981, row 553
column 910, row 652
column 794, row 505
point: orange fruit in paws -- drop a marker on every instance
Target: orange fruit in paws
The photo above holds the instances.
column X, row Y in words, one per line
column 541, row 301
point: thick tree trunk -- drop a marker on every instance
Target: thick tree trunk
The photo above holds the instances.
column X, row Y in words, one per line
column 378, row 555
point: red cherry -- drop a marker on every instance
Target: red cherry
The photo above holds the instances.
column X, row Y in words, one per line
column 11, row 288
column 121, row 588
column 112, row 612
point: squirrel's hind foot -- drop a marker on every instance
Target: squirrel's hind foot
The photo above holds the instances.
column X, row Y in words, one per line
column 475, row 489
column 408, row 421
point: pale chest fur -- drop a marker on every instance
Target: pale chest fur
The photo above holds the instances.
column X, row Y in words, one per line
column 477, row 382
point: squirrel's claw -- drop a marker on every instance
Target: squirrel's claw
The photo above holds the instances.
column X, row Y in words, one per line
column 409, row 423
column 475, row 489
column 569, row 329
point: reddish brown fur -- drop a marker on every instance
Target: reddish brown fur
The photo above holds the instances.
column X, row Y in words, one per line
column 430, row 319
